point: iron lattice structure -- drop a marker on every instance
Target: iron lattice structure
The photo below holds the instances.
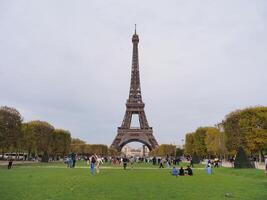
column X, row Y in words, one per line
column 134, row 105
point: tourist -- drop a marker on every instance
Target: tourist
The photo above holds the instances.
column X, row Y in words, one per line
column 98, row 163
column 266, row 164
column 124, row 162
column 161, row 163
column 208, row 168
column 189, row 171
column 92, row 164
column 10, row 162
column 174, row 171
column 167, row 163
column 70, row 162
column 191, row 162
column 73, row 157
column 181, row 171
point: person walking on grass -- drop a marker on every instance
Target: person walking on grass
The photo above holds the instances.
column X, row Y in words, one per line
column 10, row 162
column 92, row 164
column 124, row 162
column 161, row 163
column 98, row 163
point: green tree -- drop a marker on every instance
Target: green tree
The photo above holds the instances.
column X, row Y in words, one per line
column 213, row 141
column 43, row 132
column 199, row 141
column 10, row 128
column 60, row 144
column 179, row 152
column 242, row 160
column 189, row 144
column 164, row 150
column 246, row 128
column 29, row 140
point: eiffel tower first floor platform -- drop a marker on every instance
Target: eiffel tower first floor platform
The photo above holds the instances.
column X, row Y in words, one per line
column 125, row 136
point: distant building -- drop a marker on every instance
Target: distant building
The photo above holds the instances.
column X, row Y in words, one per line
column 139, row 152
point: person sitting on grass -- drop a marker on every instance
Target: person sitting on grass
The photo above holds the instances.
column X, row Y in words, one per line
column 181, row 171
column 174, row 171
column 189, row 171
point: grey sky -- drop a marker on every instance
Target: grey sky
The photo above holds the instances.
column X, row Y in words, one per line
column 68, row 62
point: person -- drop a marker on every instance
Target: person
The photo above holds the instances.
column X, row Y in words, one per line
column 189, row 171
column 73, row 157
column 266, row 164
column 216, row 162
column 191, row 162
column 70, row 162
column 208, row 168
column 124, row 161
column 92, row 164
column 161, row 163
column 154, row 160
column 10, row 162
column 167, row 163
column 181, row 171
column 132, row 162
column 98, row 163
column 174, row 171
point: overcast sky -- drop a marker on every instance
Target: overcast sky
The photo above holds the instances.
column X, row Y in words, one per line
column 68, row 62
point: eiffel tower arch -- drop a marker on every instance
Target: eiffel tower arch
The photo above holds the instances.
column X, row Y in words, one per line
column 134, row 106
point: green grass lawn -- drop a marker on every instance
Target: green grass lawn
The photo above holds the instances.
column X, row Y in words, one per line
column 54, row 181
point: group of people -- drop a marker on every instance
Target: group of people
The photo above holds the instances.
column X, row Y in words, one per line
column 182, row 172
column 71, row 160
column 92, row 161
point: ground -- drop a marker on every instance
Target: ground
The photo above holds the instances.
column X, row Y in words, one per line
column 55, row 181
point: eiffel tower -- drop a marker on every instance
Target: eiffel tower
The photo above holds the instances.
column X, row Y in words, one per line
column 134, row 106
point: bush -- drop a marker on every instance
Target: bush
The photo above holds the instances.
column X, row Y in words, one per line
column 45, row 157
column 242, row 160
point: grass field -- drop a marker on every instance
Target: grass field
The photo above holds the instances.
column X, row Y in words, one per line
column 55, row 181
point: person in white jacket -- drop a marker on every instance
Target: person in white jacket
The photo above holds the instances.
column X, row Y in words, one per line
column 98, row 163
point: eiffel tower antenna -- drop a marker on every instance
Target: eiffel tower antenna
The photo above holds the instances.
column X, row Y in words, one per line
column 135, row 29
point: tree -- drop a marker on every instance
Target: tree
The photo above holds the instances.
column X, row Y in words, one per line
column 179, row 152
column 164, row 150
column 78, row 146
column 60, row 144
column 189, row 144
column 43, row 132
column 242, row 160
column 213, row 141
column 246, row 128
column 199, row 141
column 10, row 128
column 29, row 140
column 113, row 152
